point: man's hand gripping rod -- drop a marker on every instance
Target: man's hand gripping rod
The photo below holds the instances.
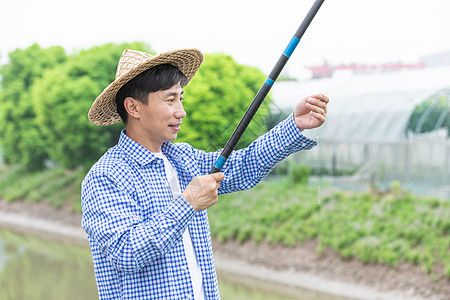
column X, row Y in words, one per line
column 265, row 88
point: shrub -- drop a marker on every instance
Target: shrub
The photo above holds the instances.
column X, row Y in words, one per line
column 299, row 174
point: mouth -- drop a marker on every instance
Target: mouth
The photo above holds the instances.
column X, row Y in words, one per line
column 175, row 126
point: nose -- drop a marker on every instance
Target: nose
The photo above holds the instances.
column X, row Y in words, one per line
column 179, row 112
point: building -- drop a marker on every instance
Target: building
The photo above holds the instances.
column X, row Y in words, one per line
column 366, row 129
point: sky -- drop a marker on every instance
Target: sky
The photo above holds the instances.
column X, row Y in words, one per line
column 254, row 32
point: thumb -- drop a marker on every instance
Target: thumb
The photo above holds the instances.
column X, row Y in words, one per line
column 218, row 177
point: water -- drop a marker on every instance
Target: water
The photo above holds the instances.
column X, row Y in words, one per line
column 31, row 268
column 35, row 269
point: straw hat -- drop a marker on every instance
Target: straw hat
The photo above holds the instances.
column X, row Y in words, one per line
column 104, row 111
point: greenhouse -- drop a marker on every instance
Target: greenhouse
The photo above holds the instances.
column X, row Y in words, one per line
column 381, row 128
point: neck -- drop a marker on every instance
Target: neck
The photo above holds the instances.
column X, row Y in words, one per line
column 141, row 138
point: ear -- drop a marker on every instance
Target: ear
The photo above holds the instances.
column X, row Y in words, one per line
column 132, row 107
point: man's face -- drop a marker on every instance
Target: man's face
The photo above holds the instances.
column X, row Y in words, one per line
column 161, row 117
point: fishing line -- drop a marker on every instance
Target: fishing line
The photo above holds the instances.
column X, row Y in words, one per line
column 319, row 179
column 318, row 169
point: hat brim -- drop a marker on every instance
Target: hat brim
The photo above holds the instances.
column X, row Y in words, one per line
column 104, row 111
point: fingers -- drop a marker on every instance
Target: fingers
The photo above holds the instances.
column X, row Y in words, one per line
column 218, row 177
column 320, row 117
column 316, row 106
column 319, row 100
column 202, row 192
column 311, row 111
column 321, row 97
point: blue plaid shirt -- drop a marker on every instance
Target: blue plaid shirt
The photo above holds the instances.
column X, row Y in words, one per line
column 135, row 225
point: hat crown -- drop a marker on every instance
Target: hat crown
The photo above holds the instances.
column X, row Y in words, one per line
column 129, row 60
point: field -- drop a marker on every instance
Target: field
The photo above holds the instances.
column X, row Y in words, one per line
column 388, row 229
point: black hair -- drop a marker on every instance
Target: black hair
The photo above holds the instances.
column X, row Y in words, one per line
column 158, row 78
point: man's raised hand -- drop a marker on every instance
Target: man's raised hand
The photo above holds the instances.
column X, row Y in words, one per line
column 311, row 112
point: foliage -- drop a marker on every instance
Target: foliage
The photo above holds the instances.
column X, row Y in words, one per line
column 299, row 174
column 21, row 140
column 62, row 98
column 46, row 95
column 44, row 98
column 57, row 186
column 431, row 110
column 286, row 78
column 216, row 100
column 387, row 229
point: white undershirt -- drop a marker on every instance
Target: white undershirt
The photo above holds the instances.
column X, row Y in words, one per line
column 194, row 267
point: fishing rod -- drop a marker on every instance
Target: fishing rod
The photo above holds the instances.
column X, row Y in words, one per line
column 265, row 88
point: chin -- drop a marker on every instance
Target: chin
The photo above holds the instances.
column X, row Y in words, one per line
column 173, row 138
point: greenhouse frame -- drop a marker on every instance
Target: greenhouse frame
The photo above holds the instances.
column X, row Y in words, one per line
column 381, row 128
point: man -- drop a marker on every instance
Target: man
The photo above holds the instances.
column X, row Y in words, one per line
column 144, row 202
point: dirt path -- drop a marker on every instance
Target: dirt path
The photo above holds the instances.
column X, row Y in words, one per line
column 275, row 265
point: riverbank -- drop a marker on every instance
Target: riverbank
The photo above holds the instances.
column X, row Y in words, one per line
column 272, row 266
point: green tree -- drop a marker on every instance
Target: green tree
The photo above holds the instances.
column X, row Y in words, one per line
column 21, row 140
column 216, row 100
column 59, row 94
column 430, row 114
column 63, row 96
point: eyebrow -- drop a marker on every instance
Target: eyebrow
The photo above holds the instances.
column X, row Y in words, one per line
column 173, row 94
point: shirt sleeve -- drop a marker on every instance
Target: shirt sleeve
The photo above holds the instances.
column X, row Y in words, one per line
column 246, row 167
column 113, row 220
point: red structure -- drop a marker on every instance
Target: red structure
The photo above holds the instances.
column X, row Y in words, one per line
column 327, row 70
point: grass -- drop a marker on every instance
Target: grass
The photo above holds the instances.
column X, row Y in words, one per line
column 56, row 186
column 388, row 229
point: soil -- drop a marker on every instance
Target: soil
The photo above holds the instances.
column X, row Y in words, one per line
column 298, row 266
column 403, row 282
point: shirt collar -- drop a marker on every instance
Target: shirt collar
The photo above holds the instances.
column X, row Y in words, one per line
column 142, row 155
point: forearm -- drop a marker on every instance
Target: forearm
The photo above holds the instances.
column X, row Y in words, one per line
column 148, row 241
column 246, row 167
column 131, row 242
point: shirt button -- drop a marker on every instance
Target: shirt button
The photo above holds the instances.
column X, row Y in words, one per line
column 183, row 267
column 190, row 297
